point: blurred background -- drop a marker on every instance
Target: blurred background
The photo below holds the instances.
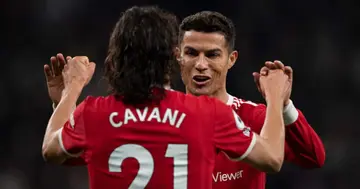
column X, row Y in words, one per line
column 319, row 39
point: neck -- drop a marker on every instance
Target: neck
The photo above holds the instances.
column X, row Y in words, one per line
column 221, row 95
column 167, row 86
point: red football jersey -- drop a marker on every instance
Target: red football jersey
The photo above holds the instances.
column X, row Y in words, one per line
column 302, row 147
column 171, row 145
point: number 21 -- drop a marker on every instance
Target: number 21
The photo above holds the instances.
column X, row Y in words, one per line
column 146, row 163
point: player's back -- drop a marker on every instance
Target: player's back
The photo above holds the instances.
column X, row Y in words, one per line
column 169, row 145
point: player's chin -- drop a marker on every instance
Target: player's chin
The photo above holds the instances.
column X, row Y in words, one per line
column 200, row 90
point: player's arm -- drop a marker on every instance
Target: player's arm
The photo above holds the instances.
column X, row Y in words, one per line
column 59, row 126
column 303, row 146
column 265, row 151
column 73, row 161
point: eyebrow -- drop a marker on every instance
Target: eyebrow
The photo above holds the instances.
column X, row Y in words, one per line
column 214, row 50
column 210, row 50
column 189, row 48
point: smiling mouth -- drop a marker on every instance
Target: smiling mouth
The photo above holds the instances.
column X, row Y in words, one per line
column 201, row 80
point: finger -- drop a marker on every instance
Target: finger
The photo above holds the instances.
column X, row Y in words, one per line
column 68, row 58
column 264, row 71
column 47, row 72
column 80, row 60
column 84, row 60
column 66, row 67
column 56, row 67
column 91, row 70
column 256, row 80
column 53, row 61
column 60, row 57
column 92, row 67
column 289, row 72
column 279, row 64
column 61, row 61
column 270, row 65
column 256, row 76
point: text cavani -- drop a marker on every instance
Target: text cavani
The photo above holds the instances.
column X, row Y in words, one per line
column 171, row 117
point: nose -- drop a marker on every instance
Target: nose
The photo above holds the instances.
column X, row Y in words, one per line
column 201, row 64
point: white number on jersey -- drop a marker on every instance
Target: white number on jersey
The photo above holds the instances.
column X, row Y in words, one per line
column 146, row 163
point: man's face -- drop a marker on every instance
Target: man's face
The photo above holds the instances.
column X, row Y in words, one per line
column 204, row 60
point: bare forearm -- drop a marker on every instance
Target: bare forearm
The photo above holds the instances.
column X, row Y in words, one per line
column 274, row 131
column 268, row 152
column 60, row 115
column 56, row 103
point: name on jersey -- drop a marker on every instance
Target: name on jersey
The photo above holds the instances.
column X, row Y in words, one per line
column 222, row 177
column 171, row 117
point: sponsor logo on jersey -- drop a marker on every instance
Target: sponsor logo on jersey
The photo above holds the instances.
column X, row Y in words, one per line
column 246, row 131
column 223, row 177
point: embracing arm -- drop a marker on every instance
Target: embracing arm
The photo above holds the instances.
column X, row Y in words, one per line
column 51, row 150
column 303, row 146
column 265, row 151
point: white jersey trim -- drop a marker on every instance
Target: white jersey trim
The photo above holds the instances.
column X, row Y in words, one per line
column 230, row 100
column 290, row 113
column 248, row 150
column 59, row 133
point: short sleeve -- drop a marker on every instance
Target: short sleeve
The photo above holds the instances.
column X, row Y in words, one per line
column 230, row 133
column 72, row 137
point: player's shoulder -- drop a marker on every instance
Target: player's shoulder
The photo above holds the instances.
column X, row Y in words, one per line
column 239, row 103
column 95, row 100
column 98, row 103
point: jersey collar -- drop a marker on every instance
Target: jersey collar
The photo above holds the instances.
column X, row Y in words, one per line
column 230, row 100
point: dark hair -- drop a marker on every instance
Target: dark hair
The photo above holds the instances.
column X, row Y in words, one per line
column 140, row 57
column 209, row 22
